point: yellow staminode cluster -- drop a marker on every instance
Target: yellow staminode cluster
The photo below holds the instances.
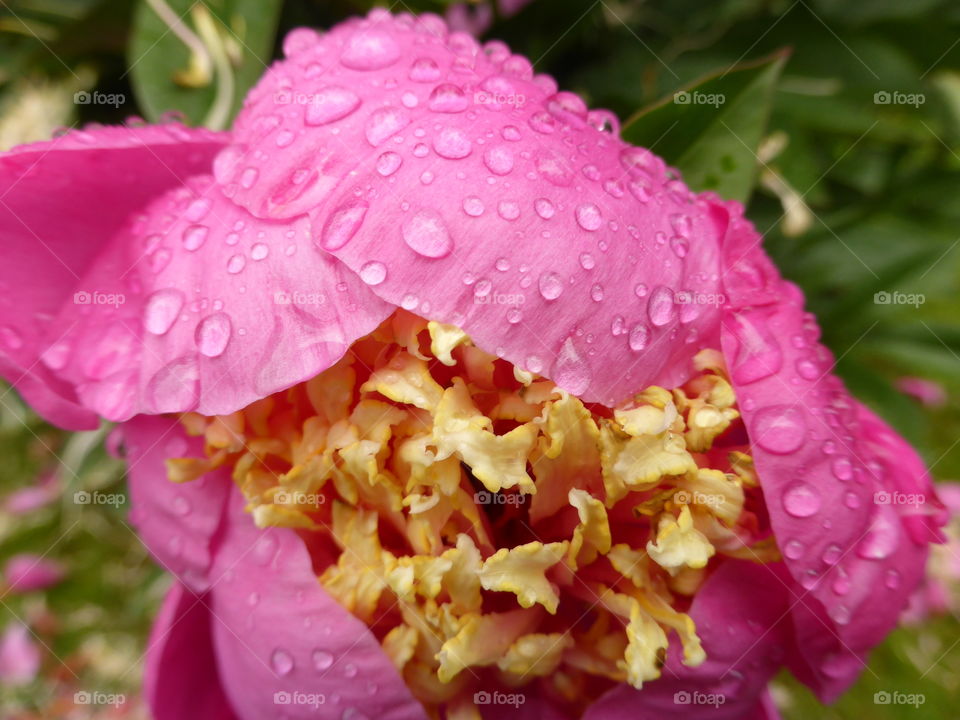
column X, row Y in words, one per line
column 488, row 526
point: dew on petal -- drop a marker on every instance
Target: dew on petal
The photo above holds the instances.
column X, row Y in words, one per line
column 426, row 234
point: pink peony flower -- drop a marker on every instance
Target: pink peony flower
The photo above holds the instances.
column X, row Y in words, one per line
column 550, row 429
column 26, row 572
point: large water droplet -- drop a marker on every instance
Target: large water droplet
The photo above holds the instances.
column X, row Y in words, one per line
column 793, row 550
column 424, row 70
column 589, row 217
column 801, row 500
column 322, row 660
column 162, row 309
column 883, row 538
column 329, row 105
column 282, row 662
column 452, row 143
column 780, row 429
column 499, row 160
column 508, row 210
column 384, row 124
column 175, row 387
column 389, row 163
column 426, row 234
column 213, row 334
column 373, row 272
column 448, row 98
column 551, row 286
column 639, row 337
column 473, row 206
column 544, row 208
column 342, row 225
column 660, row 308
column 370, row 49
column 194, row 236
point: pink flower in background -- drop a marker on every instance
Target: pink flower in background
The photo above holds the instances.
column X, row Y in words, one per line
column 25, row 500
column 19, row 655
column 26, row 572
column 477, row 18
column 928, row 392
column 708, row 503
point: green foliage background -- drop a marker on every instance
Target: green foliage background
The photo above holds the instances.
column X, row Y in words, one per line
column 879, row 185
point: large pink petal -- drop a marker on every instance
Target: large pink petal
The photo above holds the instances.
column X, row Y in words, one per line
column 180, row 679
column 61, row 202
column 287, row 649
column 177, row 523
column 459, row 185
column 826, row 465
column 218, row 309
column 739, row 615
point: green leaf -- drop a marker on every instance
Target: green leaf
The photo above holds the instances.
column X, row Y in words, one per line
column 199, row 58
column 710, row 130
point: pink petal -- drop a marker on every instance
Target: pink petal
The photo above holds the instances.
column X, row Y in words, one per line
column 55, row 224
column 219, row 309
column 460, row 186
column 738, row 613
column 177, row 523
column 284, row 647
column 19, row 655
column 180, row 679
column 825, row 464
column 26, row 572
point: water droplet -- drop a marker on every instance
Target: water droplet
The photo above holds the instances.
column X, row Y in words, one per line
column 181, row 506
column 448, row 98
column 801, row 500
column 259, row 251
column 197, row 210
column 842, row 468
column 426, row 234
column 453, row 144
column 194, row 236
column 680, row 246
column 780, row 429
column 369, row 49
column 12, row 340
column 807, row 370
column 793, row 550
column 499, row 160
column 424, row 70
column 322, row 660
column 175, row 387
column 373, row 273
column 586, row 261
column 892, row 579
column 350, row 670
column 384, row 124
column 329, row 105
column 639, row 337
column 213, row 334
column 236, row 263
column 544, row 208
column 589, row 217
column 660, row 308
column 389, row 163
column 282, row 662
column 596, row 293
column 285, row 138
column 883, row 538
column 511, row 133
column 473, row 206
column 832, row 555
column 342, row 225
column 840, row 614
column 162, row 309
column 551, row 286
column 851, row 500
column 544, row 123
column 508, row 210
column 570, row 371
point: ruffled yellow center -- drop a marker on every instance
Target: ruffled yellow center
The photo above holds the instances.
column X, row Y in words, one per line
column 491, row 529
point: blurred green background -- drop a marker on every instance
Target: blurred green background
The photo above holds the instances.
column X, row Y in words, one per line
column 839, row 125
